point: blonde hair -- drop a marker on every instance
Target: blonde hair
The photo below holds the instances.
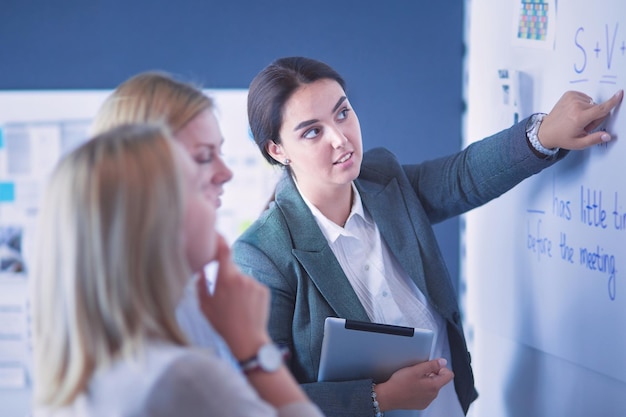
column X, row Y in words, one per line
column 110, row 265
column 152, row 97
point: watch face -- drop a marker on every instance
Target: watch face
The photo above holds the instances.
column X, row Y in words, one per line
column 270, row 358
column 530, row 125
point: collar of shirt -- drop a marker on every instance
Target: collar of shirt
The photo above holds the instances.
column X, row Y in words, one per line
column 330, row 229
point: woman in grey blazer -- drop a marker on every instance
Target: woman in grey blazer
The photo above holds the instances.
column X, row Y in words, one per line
column 349, row 234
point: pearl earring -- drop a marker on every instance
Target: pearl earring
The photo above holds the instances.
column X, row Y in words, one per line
column 287, row 161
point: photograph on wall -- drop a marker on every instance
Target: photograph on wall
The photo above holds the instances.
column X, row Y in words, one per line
column 11, row 259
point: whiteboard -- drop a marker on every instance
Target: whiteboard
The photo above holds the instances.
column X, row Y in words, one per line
column 545, row 264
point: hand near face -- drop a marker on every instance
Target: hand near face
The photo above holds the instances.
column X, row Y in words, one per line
column 573, row 117
column 238, row 308
column 414, row 387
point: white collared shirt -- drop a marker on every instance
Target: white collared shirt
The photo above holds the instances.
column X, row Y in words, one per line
column 385, row 290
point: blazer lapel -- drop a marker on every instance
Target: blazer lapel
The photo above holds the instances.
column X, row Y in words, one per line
column 312, row 251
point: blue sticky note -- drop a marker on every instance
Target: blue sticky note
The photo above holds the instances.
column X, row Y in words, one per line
column 7, row 192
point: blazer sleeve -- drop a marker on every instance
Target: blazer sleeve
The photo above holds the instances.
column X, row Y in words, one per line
column 346, row 398
column 484, row 170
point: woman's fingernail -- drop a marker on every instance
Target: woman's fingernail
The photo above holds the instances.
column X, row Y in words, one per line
column 442, row 362
column 605, row 137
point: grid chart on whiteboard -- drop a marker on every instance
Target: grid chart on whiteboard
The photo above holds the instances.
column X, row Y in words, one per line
column 533, row 22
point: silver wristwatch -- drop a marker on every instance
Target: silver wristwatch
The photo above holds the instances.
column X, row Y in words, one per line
column 532, row 129
column 269, row 358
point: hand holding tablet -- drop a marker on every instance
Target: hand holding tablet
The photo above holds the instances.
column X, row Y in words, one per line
column 396, row 358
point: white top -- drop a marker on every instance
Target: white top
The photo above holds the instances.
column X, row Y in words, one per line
column 197, row 328
column 386, row 292
column 170, row 380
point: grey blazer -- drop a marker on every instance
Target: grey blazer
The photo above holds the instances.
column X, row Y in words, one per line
column 286, row 250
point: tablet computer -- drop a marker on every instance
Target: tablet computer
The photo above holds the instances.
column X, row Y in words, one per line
column 356, row 350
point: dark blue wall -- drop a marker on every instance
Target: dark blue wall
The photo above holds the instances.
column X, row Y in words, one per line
column 402, row 59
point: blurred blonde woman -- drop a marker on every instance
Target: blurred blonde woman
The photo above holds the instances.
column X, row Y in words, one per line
column 156, row 96
column 124, row 223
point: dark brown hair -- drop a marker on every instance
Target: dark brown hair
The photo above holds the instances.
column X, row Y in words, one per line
column 270, row 90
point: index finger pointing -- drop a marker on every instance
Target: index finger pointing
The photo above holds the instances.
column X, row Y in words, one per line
column 605, row 107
